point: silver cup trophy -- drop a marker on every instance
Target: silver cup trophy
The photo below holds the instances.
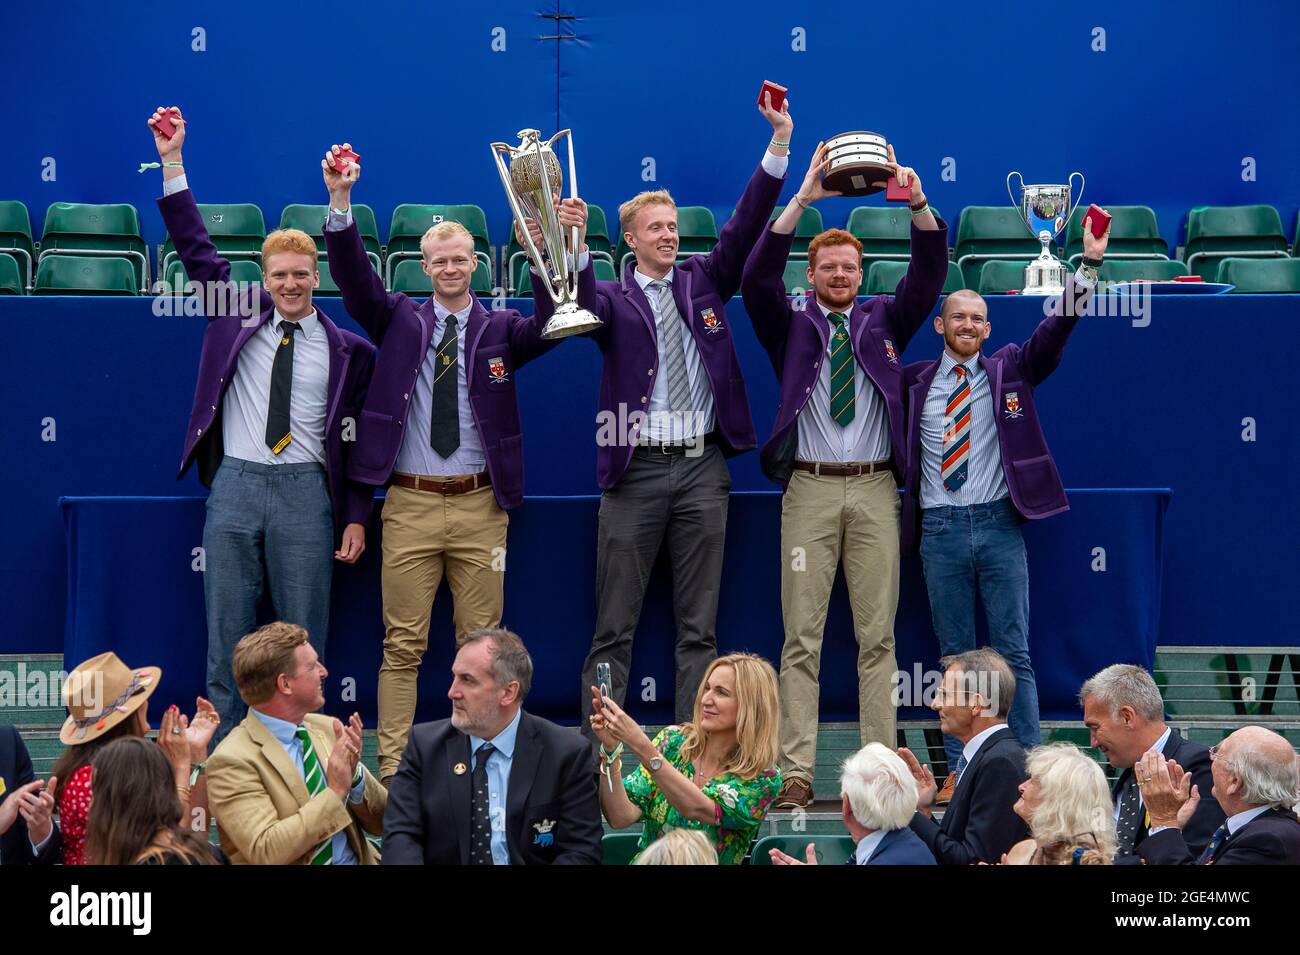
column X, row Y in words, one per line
column 532, row 195
column 1045, row 210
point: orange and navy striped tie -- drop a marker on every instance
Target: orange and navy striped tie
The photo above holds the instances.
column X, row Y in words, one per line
column 956, row 433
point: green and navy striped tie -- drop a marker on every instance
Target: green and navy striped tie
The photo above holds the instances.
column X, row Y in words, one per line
column 841, row 372
column 314, row 776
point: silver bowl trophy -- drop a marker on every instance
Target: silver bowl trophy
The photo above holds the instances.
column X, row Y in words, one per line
column 858, row 160
column 1045, row 210
column 532, row 195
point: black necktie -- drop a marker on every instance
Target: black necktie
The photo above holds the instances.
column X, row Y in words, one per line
column 277, row 417
column 480, row 823
column 1130, row 812
column 444, row 428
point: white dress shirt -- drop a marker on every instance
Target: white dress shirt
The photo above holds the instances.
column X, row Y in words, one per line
column 973, row 746
column 867, row 847
column 864, row 439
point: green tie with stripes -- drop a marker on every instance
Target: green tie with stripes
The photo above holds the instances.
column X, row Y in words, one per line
column 314, row 776
column 841, row 371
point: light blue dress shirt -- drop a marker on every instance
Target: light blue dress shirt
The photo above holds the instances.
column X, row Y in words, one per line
column 284, row 731
column 498, row 778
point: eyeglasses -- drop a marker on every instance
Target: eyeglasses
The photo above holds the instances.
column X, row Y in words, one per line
column 1214, row 751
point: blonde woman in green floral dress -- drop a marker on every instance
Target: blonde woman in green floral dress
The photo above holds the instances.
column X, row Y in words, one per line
column 717, row 773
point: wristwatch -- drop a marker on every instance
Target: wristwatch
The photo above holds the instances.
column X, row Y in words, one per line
column 655, row 763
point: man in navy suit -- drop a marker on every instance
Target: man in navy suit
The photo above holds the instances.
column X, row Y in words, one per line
column 837, row 450
column 279, row 391
column 1125, row 716
column 440, row 428
column 977, row 466
column 877, row 798
column 980, row 823
column 672, row 377
column 1256, row 783
column 27, row 832
column 493, row 785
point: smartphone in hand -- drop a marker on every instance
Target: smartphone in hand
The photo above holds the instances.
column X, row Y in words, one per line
column 603, row 680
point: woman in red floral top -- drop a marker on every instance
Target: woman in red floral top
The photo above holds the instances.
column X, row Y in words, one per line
column 107, row 700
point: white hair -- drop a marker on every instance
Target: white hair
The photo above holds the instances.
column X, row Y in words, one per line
column 1074, row 801
column 1266, row 780
column 880, row 787
column 1123, row 684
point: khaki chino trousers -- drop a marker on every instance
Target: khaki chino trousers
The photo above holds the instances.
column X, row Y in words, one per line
column 826, row 520
column 427, row 535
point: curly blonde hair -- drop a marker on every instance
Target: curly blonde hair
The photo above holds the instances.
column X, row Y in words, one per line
column 1074, row 805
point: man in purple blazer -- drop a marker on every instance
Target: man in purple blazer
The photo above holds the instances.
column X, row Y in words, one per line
column 440, row 428
column 978, row 465
column 836, row 449
column 279, row 390
column 672, row 409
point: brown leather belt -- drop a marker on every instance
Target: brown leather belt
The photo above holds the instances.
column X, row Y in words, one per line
column 841, row 470
column 443, row 485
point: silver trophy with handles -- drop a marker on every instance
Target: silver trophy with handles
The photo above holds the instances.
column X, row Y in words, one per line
column 531, row 175
column 1045, row 210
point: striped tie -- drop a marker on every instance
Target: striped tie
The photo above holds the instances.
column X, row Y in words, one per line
column 1212, row 847
column 841, row 371
column 314, row 776
column 956, row 433
column 670, row 334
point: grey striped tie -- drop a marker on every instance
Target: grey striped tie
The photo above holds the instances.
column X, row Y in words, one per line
column 670, row 334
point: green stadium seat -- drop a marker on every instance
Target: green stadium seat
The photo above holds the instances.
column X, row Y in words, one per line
column 90, row 230
column 65, row 274
column 236, row 229
column 598, row 241
column 412, row 220
column 796, row 276
column 809, row 225
column 883, row 278
column 991, row 232
column 618, row 848
column 1261, row 276
column 1134, row 234
column 1130, row 270
column 831, row 850
column 241, row 271
column 11, row 279
column 604, row 273
column 16, row 238
column 697, row 230
column 311, row 219
column 998, row 276
column 1215, row 233
column 885, row 232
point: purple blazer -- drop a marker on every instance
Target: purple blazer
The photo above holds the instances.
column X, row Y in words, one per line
column 796, row 338
column 1013, row 373
column 352, row 360
column 497, row 344
column 702, row 284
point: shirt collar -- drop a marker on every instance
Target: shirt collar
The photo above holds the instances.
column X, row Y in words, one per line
column 868, row 845
column 1241, row 818
column 503, row 742
column 827, row 312
column 282, row 730
column 1159, row 745
column 948, row 363
column 307, row 326
column 441, row 313
column 643, row 280
column 973, row 747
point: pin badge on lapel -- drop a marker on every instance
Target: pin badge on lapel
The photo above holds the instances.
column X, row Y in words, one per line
column 497, row 368
column 890, row 353
column 1013, row 405
column 545, row 838
column 712, row 324
column 460, row 769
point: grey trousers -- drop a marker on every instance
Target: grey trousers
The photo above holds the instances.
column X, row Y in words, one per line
column 685, row 499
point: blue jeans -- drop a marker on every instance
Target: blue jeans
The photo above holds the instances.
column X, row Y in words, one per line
column 266, row 524
column 981, row 546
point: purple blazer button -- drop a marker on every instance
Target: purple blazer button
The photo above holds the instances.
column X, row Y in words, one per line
column 643, row 399
column 200, row 431
column 650, row 371
column 406, row 397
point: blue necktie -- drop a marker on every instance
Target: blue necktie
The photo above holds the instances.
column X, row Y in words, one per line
column 1215, row 841
column 961, row 768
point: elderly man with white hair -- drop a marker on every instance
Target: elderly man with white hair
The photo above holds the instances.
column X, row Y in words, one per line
column 877, row 798
column 1125, row 716
column 1256, row 783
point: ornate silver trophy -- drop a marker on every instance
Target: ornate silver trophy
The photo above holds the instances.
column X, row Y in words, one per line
column 533, row 195
column 1045, row 210
column 858, row 159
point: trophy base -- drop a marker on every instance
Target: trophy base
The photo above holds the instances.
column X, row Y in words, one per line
column 568, row 320
column 1045, row 276
column 857, row 179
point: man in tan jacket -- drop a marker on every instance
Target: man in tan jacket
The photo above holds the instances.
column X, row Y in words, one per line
column 287, row 785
